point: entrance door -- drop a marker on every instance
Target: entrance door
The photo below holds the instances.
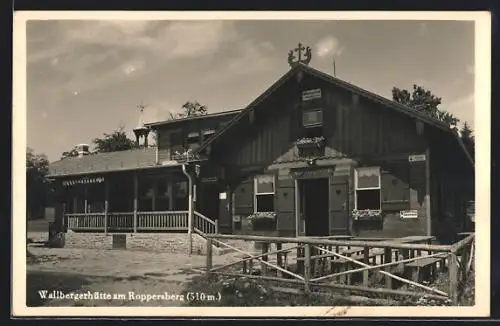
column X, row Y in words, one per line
column 339, row 205
column 314, row 206
column 208, row 200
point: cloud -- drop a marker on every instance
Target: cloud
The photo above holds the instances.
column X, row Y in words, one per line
column 93, row 54
column 329, row 46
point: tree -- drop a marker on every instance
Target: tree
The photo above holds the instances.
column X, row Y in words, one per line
column 467, row 136
column 114, row 142
column 189, row 109
column 71, row 153
column 424, row 101
column 37, row 168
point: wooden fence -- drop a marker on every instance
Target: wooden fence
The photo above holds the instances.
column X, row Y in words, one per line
column 402, row 265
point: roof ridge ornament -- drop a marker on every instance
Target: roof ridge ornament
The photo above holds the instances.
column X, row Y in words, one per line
column 304, row 55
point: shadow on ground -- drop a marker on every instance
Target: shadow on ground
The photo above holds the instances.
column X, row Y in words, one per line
column 37, row 281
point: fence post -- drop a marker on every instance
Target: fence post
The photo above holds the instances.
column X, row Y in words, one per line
column 216, row 226
column 265, row 250
column 307, row 266
column 366, row 257
column 209, row 254
column 388, row 259
column 453, row 276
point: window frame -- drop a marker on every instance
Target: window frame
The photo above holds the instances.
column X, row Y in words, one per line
column 356, row 187
column 314, row 125
column 256, row 193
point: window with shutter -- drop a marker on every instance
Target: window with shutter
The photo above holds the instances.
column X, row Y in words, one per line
column 264, row 186
column 368, row 191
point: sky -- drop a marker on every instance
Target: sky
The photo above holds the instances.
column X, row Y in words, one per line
column 86, row 77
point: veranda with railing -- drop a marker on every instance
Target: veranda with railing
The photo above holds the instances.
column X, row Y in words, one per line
column 140, row 221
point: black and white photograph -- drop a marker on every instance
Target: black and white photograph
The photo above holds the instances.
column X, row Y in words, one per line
column 244, row 164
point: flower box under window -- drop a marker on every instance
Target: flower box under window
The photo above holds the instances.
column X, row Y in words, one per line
column 263, row 221
column 367, row 215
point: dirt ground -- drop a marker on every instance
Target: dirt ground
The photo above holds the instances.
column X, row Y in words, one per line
column 127, row 276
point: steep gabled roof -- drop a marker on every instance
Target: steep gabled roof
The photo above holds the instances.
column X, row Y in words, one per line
column 347, row 86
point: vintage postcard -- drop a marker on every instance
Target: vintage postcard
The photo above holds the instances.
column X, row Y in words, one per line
column 251, row 164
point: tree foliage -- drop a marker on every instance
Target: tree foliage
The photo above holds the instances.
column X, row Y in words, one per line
column 189, row 109
column 109, row 142
column 467, row 136
column 37, row 168
column 423, row 100
column 114, row 142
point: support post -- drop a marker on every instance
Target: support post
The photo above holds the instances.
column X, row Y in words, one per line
column 63, row 218
column 388, row 259
column 279, row 258
column 136, row 186
column 190, row 208
column 366, row 257
column 265, row 250
column 216, row 221
column 453, row 277
column 307, row 266
column 428, row 192
column 209, row 254
column 106, row 205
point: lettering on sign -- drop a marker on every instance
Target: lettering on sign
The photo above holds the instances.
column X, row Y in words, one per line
column 311, row 94
column 416, row 158
column 408, row 214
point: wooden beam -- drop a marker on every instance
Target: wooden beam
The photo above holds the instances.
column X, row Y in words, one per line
column 428, row 193
column 106, row 205
column 136, row 187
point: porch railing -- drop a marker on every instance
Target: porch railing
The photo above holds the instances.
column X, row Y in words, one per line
column 128, row 222
column 168, row 220
column 204, row 225
column 85, row 221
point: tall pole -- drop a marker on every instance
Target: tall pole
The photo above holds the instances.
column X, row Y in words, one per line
column 334, row 72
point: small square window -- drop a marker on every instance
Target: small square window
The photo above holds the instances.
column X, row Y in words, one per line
column 312, row 118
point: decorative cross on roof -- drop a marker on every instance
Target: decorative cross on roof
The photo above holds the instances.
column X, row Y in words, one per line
column 304, row 55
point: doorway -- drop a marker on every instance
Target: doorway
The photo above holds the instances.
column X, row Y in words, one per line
column 314, row 206
column 208, row 200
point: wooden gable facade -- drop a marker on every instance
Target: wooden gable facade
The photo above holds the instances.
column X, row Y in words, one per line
column 317, row 153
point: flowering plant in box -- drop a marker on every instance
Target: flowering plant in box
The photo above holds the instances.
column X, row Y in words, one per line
column 310, row 141
column 366, row 213
column 259, row 216
column 263, row 221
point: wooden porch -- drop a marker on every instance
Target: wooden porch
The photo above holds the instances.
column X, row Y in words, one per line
column 128, row 222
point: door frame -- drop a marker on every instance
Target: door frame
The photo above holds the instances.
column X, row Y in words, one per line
column 306, row 174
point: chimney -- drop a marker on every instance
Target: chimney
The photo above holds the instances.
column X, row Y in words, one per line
column 82, row 149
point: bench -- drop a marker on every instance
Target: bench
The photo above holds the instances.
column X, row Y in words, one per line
column 247, row 264
column 425, row 267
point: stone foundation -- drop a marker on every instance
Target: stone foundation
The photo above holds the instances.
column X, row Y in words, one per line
column 158, row 242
